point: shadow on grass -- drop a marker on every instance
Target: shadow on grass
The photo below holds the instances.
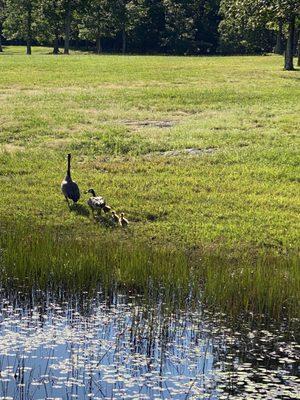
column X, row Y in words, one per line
column 79, row 209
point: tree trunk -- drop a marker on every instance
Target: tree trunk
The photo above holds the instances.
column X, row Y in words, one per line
column 1, row 48
column 123, row 40
column 55, row 44
column 298, row 49
column 67, row 28
column 98, row 45
column 289, row 51
column 278, row 47
column 29, row 31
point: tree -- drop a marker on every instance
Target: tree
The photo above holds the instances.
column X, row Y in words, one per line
column 279, row 39
column 250, row 15
column 52, row 22
column 298, row 45
column 2, row 18
column 149, row 31
column 180, row 26
column 240, row 32
column 70, row 7
column 206, row 20
column 21, row 21
column 128, row 13
column 98, row 21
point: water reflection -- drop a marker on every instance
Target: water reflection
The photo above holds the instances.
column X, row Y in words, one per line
column 126, row 347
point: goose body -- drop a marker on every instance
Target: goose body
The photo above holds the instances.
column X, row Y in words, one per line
column 97, row 203
column 69, row 187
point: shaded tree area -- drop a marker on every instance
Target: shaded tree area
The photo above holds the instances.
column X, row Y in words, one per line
column 247, row 24
column 156, row 26
column 2, row 17
column 21, row 21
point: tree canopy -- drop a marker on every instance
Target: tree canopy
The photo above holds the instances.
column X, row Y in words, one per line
column 155, row 26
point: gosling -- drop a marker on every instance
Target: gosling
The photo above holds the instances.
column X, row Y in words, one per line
column 114, row 217
column 123, row 221
column 97, row 203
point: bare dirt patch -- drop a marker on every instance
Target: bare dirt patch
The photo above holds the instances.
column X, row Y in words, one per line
column 150, row 124
column 190, row 151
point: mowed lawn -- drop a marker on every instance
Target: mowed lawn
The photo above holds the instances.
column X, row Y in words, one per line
column 128, row 122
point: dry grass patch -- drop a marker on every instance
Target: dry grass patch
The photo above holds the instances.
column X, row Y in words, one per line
column 11, row 148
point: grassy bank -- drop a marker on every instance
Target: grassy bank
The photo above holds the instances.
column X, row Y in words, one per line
column 128, row 122
column 48, row 259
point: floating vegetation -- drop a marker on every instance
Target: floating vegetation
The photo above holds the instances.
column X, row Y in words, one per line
column 122, row 347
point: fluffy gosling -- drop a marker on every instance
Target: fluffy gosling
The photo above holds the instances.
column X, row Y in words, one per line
column 114, row 217
column 123, row 221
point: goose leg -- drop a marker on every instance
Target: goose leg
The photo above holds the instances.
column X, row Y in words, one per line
column 92, row 212
column 67, row 200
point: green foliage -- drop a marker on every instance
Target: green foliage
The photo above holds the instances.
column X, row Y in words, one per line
column 99, row 20
column 183, row 26
column 245, row 23
column 21, row 20
column 52, row 13
column 180, row 26
column 2, row 18
column 2, row 12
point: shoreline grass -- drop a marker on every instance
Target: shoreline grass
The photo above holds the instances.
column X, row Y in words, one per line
column 50, row 258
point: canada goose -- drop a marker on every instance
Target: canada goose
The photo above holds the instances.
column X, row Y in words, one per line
column 97, row 203
column 114, row 217
column 70, row 188
column 123, row 221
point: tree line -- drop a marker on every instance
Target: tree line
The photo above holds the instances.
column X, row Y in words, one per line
column 187, row 27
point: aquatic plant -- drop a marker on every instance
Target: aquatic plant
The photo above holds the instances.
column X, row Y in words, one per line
column 48, row 258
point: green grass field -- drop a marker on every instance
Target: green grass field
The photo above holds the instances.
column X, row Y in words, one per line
column 128, row 122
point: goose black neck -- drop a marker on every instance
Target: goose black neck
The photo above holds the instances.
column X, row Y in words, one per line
column 69, row 165
column 93, row 192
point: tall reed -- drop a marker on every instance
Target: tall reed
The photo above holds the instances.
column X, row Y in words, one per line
column 47, row 258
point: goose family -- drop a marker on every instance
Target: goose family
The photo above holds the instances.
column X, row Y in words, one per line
column 70, row 188
column 71, row 191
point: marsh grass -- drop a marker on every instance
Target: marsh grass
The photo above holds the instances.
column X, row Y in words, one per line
column 50, row 259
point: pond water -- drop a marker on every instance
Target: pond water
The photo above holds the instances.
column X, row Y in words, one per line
column 117, row 345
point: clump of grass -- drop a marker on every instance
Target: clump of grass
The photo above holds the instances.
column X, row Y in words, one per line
column 268, row 286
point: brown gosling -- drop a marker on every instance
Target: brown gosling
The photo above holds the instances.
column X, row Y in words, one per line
column 123, row 221
column 114, row 217
column 106, row 208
